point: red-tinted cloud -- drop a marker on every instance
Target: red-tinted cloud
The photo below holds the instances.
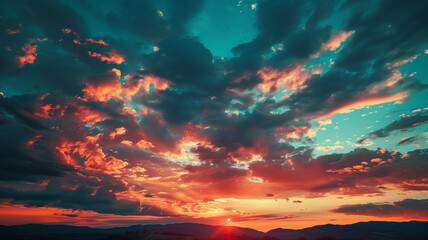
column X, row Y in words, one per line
column 407, row 208
column 104, row 87
column 30, row 52
column 113, row 57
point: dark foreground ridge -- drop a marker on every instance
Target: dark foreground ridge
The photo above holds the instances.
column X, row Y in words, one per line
column 193, row 231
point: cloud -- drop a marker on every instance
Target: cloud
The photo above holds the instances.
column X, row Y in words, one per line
column 171, row 124
column 23, row 161
column 408, row 140
column 153, row 26
column 361, row 67
column 413, row 208
column 402, row 124
column 113, row 57
column 327, row 148
column 184, row 61
column 351, row 173
column 101, row 200
column 30, row 55
column 104, row 86
column 50, row 53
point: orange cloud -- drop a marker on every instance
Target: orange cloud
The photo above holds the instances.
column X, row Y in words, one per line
column 296, row 132
column 86, row 115
column 143, row 144
column 96, row 159
column 157, row 82
column 335, row 42
column 104, row 90
column 13, row 32
column 113, row 57
column 48, row 111
column 100, row 42
column 292, row 78
column 404, row 61
column 108, row 86
column 117, row 131
column 66, row 30
column 30, row 55
column 20, row 214
column 360, row 103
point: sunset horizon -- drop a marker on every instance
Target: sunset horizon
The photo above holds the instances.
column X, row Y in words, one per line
column 259, row 114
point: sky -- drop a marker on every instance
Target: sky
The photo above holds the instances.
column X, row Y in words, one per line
column 268, row 113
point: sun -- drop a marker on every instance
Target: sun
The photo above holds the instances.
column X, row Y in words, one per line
column 228, row 220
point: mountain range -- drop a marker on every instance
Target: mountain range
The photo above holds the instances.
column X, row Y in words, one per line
column 363, row 230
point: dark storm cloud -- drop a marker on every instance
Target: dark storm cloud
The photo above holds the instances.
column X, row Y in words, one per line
column 19, row 161
column 406, row 207
column 322, row 94
column 195, row 80
column 275, row 21
column 248, row 129
column 55, row 66
column 283, row 22
column 21, row 108
column 179, row 107
column 383, row 36
column 49, row 16
column 151, row 25
column 101, row 200
column 182, row 61
column 369, row 46
column 301, row 45
column 53, row 16
column 182, row 12
column 143, row 19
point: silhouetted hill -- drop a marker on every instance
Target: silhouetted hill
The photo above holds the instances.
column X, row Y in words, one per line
column 363, row 230
column 40, row 231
